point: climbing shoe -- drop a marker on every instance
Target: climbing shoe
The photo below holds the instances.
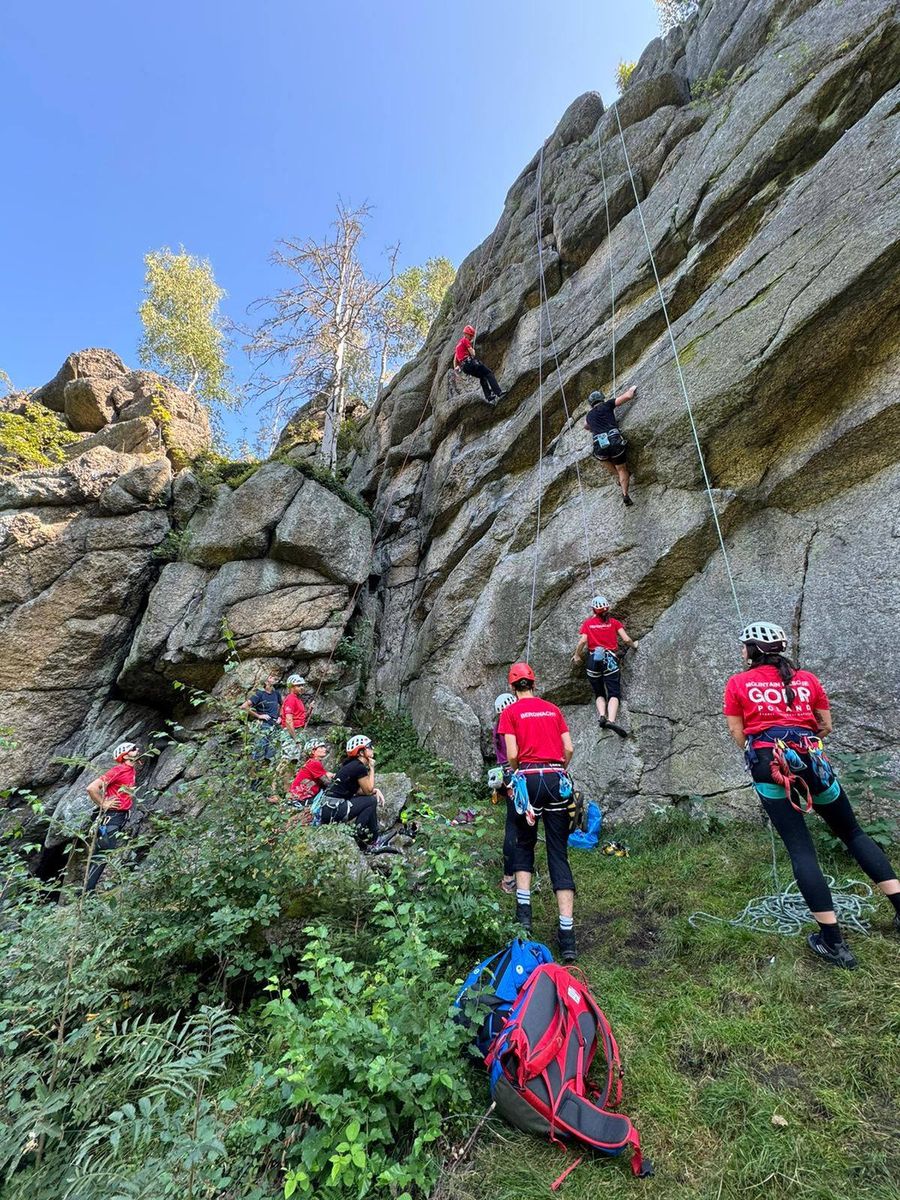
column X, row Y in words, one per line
column 601, row 722
column 627, row 501
column 523, row 916
column 623, row 733
column 566, row 939
column 500, row 396
column 836, row 956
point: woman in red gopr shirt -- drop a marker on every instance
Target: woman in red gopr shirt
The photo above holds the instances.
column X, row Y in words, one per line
column 599, row 638
column 772, row 703
column 113, row 794
column 538, row 743
column 293, row 719
column 312, row 776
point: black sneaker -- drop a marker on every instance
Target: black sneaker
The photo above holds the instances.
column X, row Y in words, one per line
column 523, row 916
column 566, row 939
column 627, row 501
column 837, row 956
column 602, row 722
column 500, row 396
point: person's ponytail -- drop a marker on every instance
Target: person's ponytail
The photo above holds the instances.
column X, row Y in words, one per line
column 780, row 662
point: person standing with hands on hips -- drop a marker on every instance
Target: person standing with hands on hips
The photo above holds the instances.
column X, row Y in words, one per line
column 113, row 794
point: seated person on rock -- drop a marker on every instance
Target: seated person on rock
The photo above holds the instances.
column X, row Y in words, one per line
column 264, row 705
column 352, row 795
column 113, row 794
column 312, row 777
column 610, row 447
column 293, row 719
column 465, row 360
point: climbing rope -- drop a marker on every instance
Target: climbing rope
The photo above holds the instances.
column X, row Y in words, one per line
column 786, row 912
column 684, row 391
column 538, row 217
column 612, row 281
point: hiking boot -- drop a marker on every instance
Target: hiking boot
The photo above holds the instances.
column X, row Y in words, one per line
column 566, row 939
column 627, row 501
column 836, row 956
column 523, row 916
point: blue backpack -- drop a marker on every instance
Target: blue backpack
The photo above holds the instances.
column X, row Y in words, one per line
column 492, row 988
column 587, row 838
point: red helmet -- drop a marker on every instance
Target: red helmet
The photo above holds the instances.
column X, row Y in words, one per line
column 520, row 671
column 469, row 331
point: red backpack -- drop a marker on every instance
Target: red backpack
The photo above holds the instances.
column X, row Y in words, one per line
column 539, row 1064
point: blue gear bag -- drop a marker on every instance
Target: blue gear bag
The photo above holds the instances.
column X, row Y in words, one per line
column 492, row 988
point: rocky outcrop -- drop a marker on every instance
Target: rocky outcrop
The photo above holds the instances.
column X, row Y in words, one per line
column 96, row 626
column 770, row 201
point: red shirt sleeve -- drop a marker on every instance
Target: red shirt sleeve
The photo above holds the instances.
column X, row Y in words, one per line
column 731, row 704
column 584, row 626
column 819, row 699
column 300, row 718
column 616, row 624
column 563, row 727
column 316, row 769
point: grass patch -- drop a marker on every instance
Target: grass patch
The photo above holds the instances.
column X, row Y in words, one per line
column 721, row 1031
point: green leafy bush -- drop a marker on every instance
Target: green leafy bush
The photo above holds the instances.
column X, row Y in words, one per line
column 36, row 437
column 624, row 72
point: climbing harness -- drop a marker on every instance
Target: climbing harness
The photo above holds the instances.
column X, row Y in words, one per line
column 611, row 441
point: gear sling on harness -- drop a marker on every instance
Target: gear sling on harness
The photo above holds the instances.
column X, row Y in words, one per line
column 789, row 749
column 520, row 787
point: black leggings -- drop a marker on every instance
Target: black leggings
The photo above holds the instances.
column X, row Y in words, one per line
column 543, row 791
column 842, row 822
column 489, row 384
column 361, row 809
column 111, row 826
column 510, row 835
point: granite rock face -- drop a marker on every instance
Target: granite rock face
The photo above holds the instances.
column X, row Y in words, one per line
column 770, row 201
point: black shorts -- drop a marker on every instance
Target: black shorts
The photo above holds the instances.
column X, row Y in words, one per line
column 605, row 681
column 615, row 452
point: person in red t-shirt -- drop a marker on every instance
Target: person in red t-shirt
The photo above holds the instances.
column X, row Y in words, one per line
column 464, row 360
column 113, row 794
column 293, row 719
column 539, row 748
column 312, row 776
column 778, row 715
column 599, row 638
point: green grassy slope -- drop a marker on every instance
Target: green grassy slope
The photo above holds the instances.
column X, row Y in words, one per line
column 751, row 1069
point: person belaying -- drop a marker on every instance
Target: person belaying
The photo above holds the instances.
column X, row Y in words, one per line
column 293, row 719
column 599, row 638
column 352, row 795
column 264, row 705
column 113, row 794
column 610, row 447
column 465, row 360
column 312, row 777
column 510, row 830
column 539, row 748
column 778, row 715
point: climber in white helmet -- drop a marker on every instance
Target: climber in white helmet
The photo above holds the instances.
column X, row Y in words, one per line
column 609, row 446
column 352, row 794
column 293, row 719
column 113, row 794
column 599, row 638
column 778, row 716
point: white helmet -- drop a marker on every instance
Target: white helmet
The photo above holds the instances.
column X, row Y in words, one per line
column 358, row 742
column 764, row 633
column 314, row 744
column 599, row 602
column 295, row 680
column 124, row 748
column 504, row 700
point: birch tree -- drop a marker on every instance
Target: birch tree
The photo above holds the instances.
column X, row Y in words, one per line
column 315, row 329
column 183, row 333
column 674, row 12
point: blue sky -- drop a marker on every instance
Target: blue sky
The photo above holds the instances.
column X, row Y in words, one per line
column 221, row 126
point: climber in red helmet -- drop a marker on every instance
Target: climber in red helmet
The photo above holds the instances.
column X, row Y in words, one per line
column 464, row 360
column 539, row 748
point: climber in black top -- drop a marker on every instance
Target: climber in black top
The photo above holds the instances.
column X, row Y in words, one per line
column 610, row 446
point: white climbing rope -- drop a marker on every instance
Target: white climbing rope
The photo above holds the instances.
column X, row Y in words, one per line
column 538, row 217
column 684, row 391
column 612, row 281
